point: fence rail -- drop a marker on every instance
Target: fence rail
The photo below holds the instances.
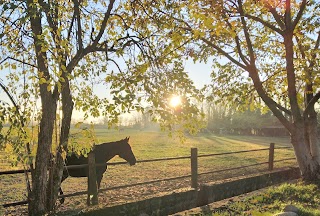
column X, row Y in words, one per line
column 236, row 152
column 9, row 172
column 92, row 187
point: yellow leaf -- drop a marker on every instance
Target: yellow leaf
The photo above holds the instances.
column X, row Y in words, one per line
column 59, row 86
column 8, row 148
column 78, row 124
column 42, row 80
column 63, row 68
column 64, row 154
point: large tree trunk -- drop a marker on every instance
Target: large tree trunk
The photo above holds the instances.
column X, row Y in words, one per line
column 311, row 136
column 308, row 163
column 38, row 196
column 57, row 169
column 40, row 178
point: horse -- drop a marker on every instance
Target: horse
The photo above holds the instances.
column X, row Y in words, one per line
column 103, row 153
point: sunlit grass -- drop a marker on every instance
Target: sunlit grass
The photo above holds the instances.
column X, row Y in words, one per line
column 273, row 200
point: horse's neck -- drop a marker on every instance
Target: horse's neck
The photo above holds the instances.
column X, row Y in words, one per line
column 105, row 152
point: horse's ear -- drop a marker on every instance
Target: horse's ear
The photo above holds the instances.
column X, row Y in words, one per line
column 127, row 138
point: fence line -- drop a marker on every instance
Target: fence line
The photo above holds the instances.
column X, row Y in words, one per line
column 9, row 172
column 236, row 152
column 92, row 187
column 144, row 161
column 233, row 168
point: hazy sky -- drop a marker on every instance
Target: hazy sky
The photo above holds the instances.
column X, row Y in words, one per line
column 198, row 72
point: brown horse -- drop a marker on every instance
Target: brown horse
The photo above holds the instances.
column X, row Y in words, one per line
column 103, row 153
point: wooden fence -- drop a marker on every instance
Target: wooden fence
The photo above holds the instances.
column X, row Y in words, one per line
column 92, row 192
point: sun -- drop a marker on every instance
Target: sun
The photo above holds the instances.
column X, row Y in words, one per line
column 175, row 101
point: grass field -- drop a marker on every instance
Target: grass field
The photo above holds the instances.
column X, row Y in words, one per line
column 150, row 145
column 306, row 197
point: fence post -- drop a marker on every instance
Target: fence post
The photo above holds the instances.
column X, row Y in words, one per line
column 271, row 156
column 194, row 168
column 92, row 180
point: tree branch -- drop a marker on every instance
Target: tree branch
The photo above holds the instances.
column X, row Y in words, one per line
column 95, row 45
column 79, row 29
column 263, row 22
column 222, row 52
column 314, row 55
column 246, row 33
column 123, row 20
column 273, row 106
column 237, row 40
column 3, row 60
column 114, row 62
column 5, row 89
column 300, row 13
column 243, row 58
column 18, row 60
column 20, row 117
column 283, row 109
column 103, row 24
column 309, row 77
column 276, row 16
column 53, row 25
column 23, row 62
column 311, row 104
column 287, row 15
column 42, row 59
column 301, row 49
column 71, row 25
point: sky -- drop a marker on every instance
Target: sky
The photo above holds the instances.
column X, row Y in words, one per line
column 198, row 72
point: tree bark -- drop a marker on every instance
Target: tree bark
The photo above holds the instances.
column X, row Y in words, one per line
column 57, row 170
column 309, row 165
column 313, row 138
column 38, row 196
column 39, row 180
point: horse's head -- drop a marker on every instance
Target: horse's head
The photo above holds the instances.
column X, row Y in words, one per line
column 126, row 152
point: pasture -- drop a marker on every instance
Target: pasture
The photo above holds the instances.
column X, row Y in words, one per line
column 151, row 145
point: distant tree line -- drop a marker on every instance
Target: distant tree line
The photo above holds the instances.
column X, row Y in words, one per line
column 226, row 120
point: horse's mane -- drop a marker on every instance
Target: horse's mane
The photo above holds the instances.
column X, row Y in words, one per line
column 107, row 144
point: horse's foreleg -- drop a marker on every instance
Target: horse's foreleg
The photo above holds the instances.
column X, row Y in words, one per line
column 64, row 176
column 61, row 194
column 93, row 198
column 99, row 178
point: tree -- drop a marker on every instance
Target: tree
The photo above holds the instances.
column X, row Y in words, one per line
column 266, row 54
column 56, row 53
column 231, row 119
column 252, row 121
column 218, row 117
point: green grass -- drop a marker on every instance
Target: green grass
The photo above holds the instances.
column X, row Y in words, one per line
column 272, row 201
column 153, row 144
